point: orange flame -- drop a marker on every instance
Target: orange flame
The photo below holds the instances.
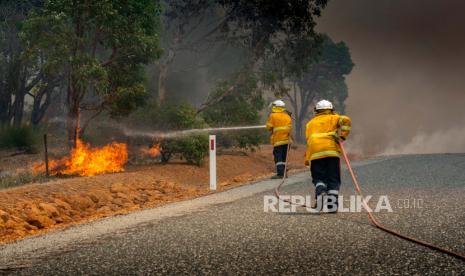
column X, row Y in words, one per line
column 87, row 161
column 153, row 151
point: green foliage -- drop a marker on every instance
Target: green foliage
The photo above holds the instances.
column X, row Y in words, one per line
column 193, row 149
column 99, row 48
column 127, row 99
column 182, row 116
column 15, row 75
column 173, row 117
column 168, row 116
column 179, row 116
column 238, row 34
column 240, row 108
column 21, row 138
column 271, row 25
column 245, row 139
column 290, row 62
column 335, row 90
column 325, row 78
column 304, row 83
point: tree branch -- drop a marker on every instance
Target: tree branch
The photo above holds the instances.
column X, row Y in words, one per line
column 34, row 82
column 238, row 80
column 212, row 31
column 216, row 100
column 111, row 58
column 87, row 122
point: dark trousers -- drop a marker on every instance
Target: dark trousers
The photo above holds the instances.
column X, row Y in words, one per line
column 326, row 176
column 280, row 154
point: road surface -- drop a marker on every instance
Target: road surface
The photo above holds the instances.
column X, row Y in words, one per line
column 229, row 232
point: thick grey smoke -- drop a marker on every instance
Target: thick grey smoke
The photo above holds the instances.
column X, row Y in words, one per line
column 448, row 141
column 406, row 92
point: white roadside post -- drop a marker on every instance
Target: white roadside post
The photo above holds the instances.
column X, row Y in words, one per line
column 213, row 162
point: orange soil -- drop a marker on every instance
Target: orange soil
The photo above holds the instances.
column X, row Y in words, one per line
column 38, row 208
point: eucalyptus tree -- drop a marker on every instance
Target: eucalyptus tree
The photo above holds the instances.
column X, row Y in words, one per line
column 99, row 47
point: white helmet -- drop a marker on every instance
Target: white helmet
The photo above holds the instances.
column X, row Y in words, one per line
column 279, row 103
column 324, row 104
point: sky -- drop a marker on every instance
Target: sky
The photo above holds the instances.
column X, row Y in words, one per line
column 407, row 89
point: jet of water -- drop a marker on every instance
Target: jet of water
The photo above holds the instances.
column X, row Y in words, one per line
column 179, row 133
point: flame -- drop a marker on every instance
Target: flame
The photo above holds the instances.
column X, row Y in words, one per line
column 153, row 151
column 87, row 161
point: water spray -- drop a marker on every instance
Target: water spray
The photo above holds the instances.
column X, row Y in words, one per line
column 180, row 133
column 165, row 134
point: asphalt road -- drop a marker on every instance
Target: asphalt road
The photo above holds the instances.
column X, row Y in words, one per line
column 238, row 237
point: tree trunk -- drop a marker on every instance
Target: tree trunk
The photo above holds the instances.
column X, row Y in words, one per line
column 40, row 106
column 5, row 105
column 18, row 113
column 299, row 129
column 74, row 112
column 73, row 123
column 297, row 118
column 15, row 83
column 18, row 107
column 162, row 75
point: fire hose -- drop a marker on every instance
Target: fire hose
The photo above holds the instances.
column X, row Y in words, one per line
column 371, row 217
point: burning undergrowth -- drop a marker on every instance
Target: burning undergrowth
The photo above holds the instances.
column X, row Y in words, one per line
column 153, row 151
column 87, row 161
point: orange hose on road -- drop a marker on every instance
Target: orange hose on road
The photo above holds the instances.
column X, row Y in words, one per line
column 380, row 226
column 372, row 218
column 283, row 180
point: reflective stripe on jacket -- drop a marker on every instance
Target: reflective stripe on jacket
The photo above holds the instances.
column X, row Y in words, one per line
column 321, row 132
column 280, row 124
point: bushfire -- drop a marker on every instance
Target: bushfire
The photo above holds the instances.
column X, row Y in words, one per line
column 87, row 161
column 153, row 151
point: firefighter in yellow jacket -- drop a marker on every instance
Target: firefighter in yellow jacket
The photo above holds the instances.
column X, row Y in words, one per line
column 279, row 123
column 323, row 134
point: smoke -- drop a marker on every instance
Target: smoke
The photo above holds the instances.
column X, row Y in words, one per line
column 448, row 141
column 354, row 145
column 406, row 92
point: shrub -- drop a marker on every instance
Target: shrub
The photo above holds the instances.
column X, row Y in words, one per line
column 193, row 149
column 244, row 139
column 250, row 139
column 180, row 117
column 22, row 138
column 171, row 117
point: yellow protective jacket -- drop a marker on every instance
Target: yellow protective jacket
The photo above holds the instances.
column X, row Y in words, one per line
column 321, row 133
column 280, row 124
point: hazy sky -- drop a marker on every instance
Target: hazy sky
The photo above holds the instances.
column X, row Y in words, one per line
column 407, row 88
